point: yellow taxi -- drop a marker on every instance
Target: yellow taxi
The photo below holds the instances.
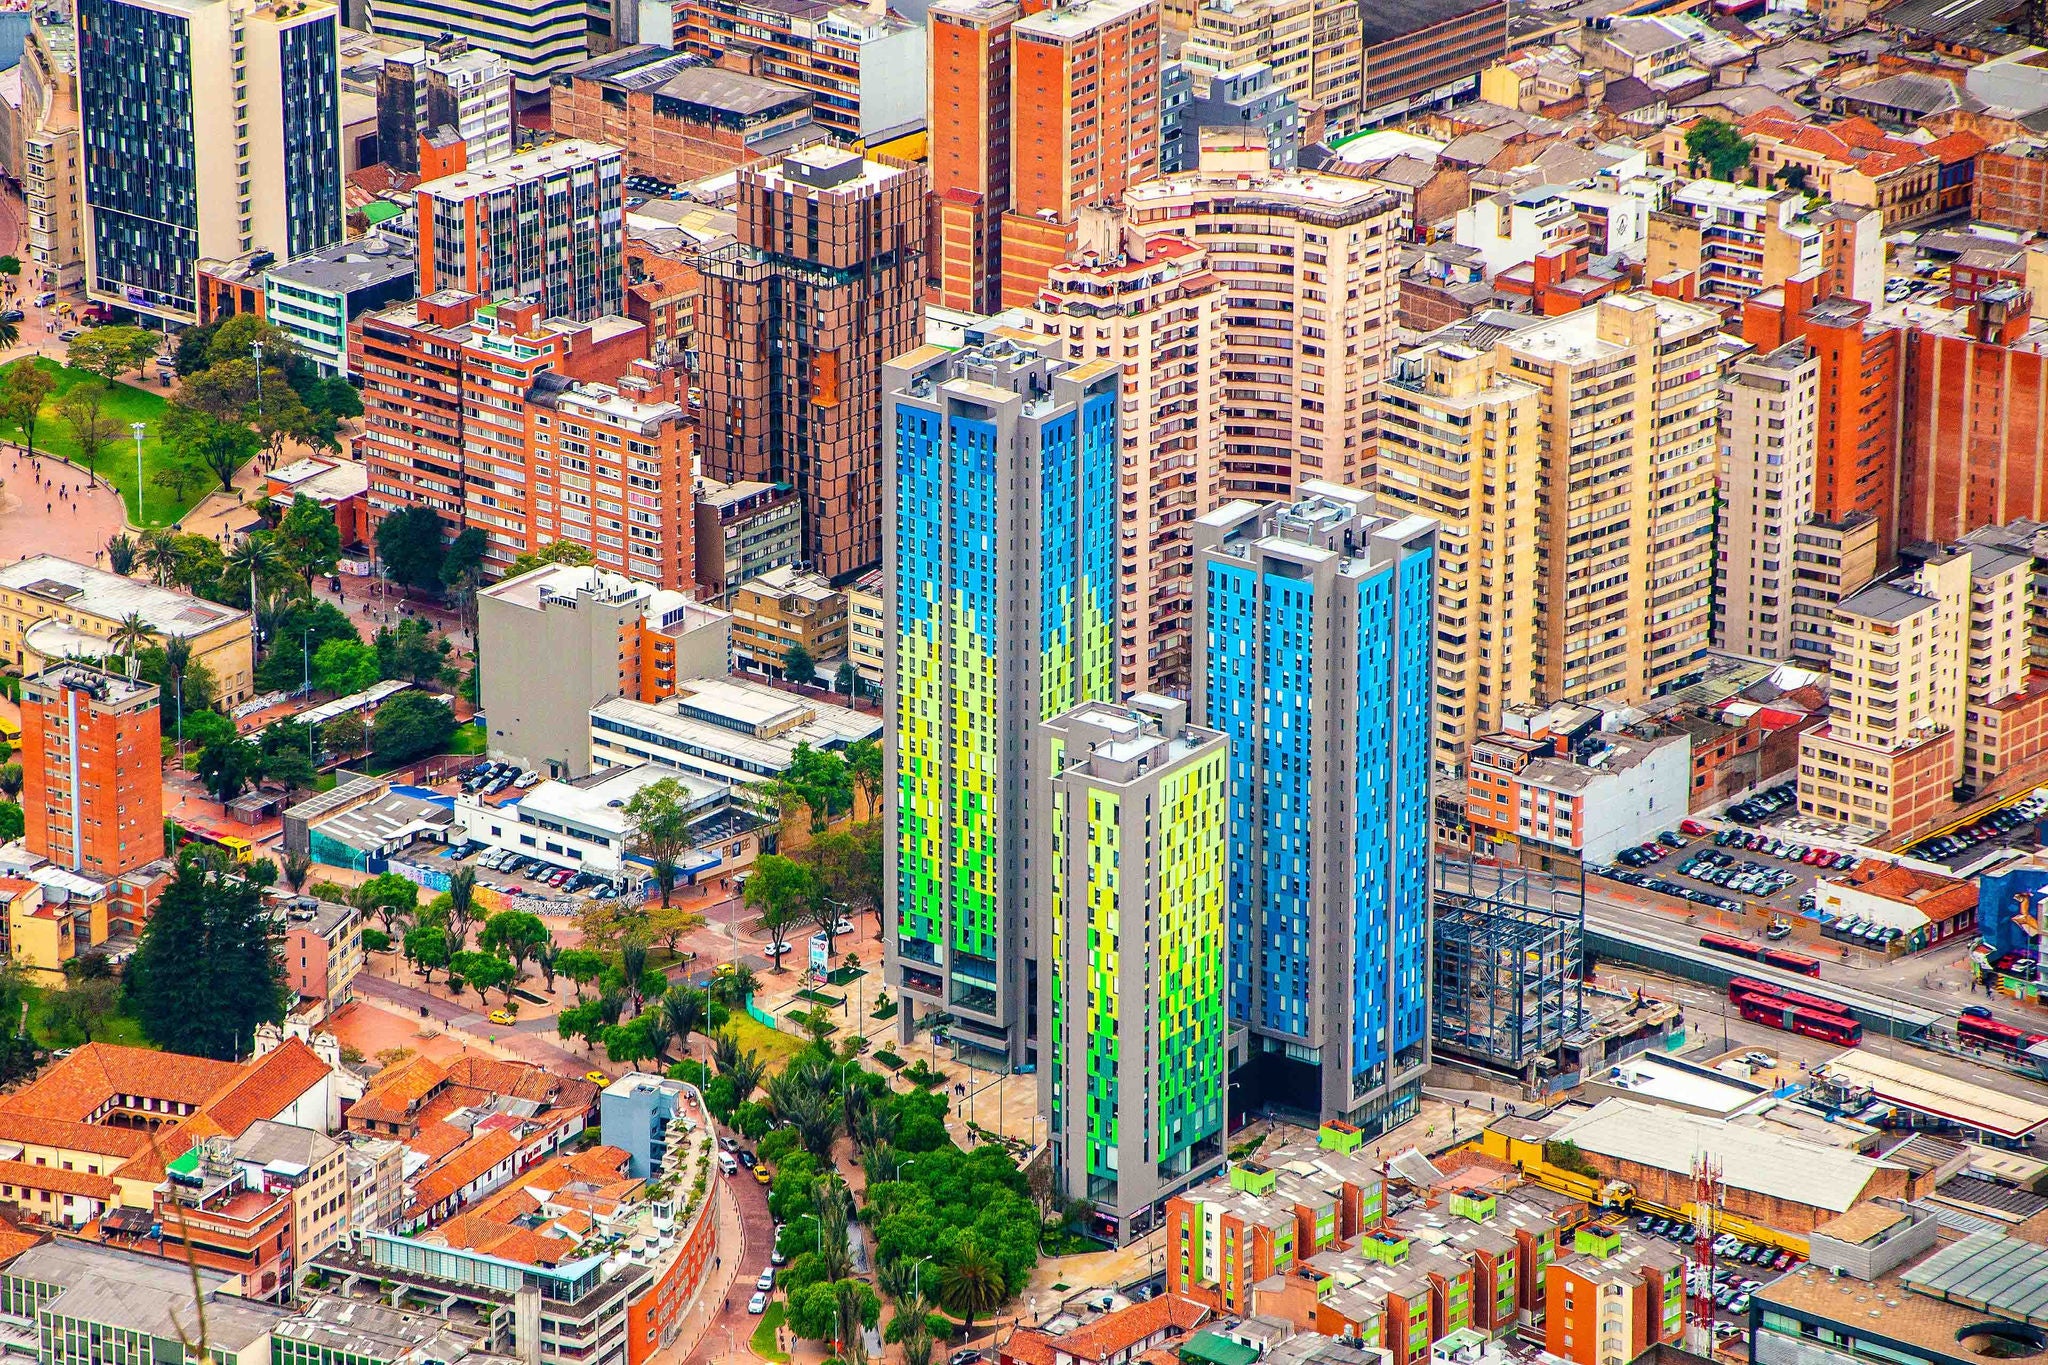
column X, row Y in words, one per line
column 597, row 1078
column 503, row 1016
column 764, row 1175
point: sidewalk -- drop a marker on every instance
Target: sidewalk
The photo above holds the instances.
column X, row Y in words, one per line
column 717, row 1287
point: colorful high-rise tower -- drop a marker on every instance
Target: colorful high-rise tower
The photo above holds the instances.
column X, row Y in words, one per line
column 1128, row 823
column 999, row 554
column 1314, row 630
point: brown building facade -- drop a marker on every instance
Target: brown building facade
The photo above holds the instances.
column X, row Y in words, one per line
column 92, row 769
column 1975, row 449
column 822, row 288
column 968, row 98
column 679, row 117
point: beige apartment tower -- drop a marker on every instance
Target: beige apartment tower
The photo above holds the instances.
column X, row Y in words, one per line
column 1311, row 292
column 1152, row 304
column 1628, row 395
column 52, row 178
column 1458, row 442
column 1770, row 428
column 1919, row 663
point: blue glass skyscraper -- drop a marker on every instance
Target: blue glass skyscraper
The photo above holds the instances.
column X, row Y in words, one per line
column 1314, row 623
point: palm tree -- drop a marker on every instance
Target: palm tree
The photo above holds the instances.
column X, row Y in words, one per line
column 253, row 556
column 743, row 1068
column 735, row 986
column 684, row 1009
column 659, row 1034
column 159, row 555
column 971, row 1282
column 131, row 635
column 297, row 867
column 461, row 905
column 10, row 335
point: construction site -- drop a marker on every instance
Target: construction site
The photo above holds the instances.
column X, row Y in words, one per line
column 1509, row 966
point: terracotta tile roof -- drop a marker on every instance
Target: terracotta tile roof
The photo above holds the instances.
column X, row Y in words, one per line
column 1935, row 896
column 78, row 1086
column 268, row 1087
column 522, row 1081
column 1957, row 146
column 15, row 1240
column 392, row 1092
column 55, row 1179
column 170, row 1145
column 467, row 1164
column 437, row 1140
column 1109, row 1335
column 96, row 1138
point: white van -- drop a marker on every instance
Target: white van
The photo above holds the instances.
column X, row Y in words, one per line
column 45, row 299
column 726, row 1165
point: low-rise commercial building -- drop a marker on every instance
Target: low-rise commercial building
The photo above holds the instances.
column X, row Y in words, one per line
column 784, row 610
column 52, row 609
column 743, row 530
column 1556, row 790
column 314, row 298
column 723, row 730
column 583, row 825
column 323, row 955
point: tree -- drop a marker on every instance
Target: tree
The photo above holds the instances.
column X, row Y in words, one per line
column 411, row 651
column 345, row 667
column 253, row 557
column 864, row 770
column 848, row 864
column 833, row 1310
column 781, row 889
column 409, row 726
column 684, row 1008
column 798, row 666
column 121, row 553
column 11, row 780
column 84, row 409
column 226, row 766
column 556, row 552
column 131, row 634
column 110, row 352
column 13, row 823
column 221, row 447
column 465, row 555
column 22, row 394
column 484, row 972
column 10, row 334
column 971, row 1282
column 190, row 356
column 83, row 1005
column 388, row 896
column 822, row 781
column 661, row 830
column 581, row 966
column 735, row 986
column 461, row 904
column 209, row 968
column 159, row 554
column 345, row 734
column 10, row 266
column 426, row 947
column 180, row 478
column 1719, row 146
column 292, row 770
column 297, row 867
column 514, row 934
column 581, row 1021
column 307, row 539
column 631, row 1042
column 669, row 924
column 409, row 543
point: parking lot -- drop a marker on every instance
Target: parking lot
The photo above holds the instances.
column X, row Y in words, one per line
column 2016, row 824
column 1740, row 1269
column 1734, row 865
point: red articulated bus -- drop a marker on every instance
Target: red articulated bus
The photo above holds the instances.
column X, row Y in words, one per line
column 1993, row 1033
column 1721, row 943
column 1746, row 987
column 1832, row 1028
column 1791, row 962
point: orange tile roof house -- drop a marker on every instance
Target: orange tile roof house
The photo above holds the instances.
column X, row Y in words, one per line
column 477, row 1121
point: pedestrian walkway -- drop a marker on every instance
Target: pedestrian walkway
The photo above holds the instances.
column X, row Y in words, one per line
column 50, row 507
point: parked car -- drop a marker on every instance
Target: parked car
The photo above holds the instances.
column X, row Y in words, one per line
column 758, row 1304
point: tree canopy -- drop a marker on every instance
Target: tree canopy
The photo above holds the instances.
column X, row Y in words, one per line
column 1718, row 146
column 411, row 725
column 208, row 969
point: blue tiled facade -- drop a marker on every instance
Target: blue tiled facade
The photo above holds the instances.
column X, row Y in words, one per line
column 1316, row 664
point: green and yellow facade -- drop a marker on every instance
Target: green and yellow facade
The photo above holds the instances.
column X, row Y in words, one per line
column 1129, row 889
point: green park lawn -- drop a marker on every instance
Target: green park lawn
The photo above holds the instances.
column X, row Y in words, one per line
column 126, row 404
column 775, row 1046
column 763, row 1341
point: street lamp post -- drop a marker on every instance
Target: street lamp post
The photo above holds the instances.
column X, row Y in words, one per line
column 138, row 428
column 257, row 347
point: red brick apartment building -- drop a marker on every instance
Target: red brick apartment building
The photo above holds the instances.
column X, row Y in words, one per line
column 531, row 430
column 679, row 117
column 91, row 769
column 969, row 139
column 1975, row 450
